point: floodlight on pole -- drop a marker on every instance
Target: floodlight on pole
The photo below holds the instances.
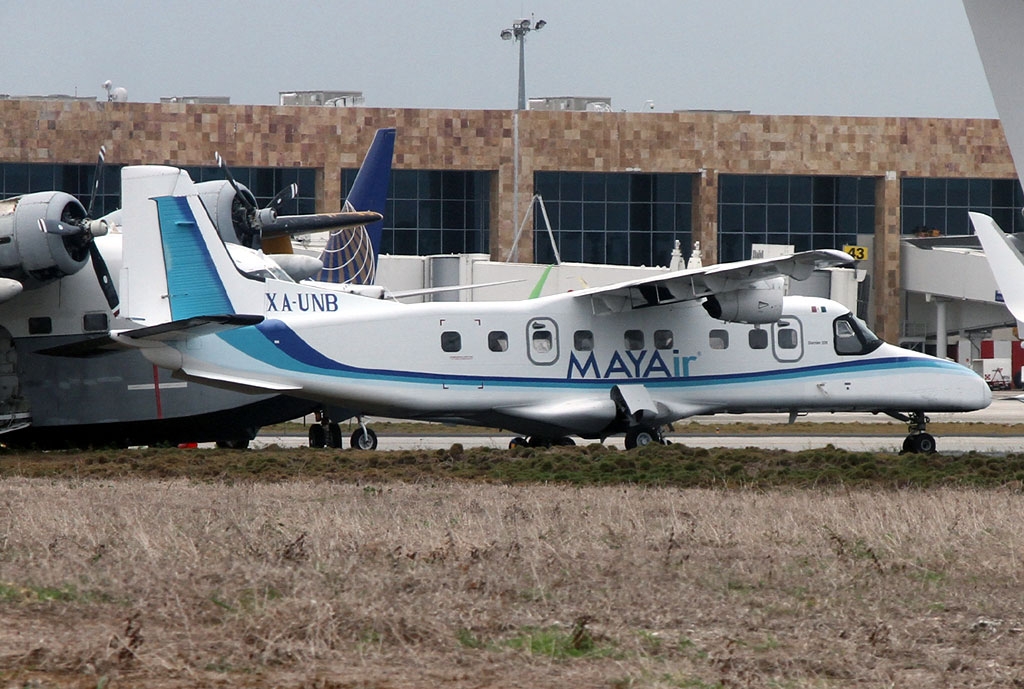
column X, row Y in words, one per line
column 518, row 31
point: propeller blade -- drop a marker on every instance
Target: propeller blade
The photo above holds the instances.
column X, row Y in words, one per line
column 96, row 176
column 305, row 224
column 57, row 227
column 231, row 180
column 103, row 275
column 286, row 194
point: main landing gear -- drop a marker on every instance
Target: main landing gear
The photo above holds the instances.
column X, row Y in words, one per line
column 327, row 433
column 638, row 436
column 918, row 441
column 539, row 441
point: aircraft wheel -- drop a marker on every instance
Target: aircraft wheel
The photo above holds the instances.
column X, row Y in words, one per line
column 922, row 443
column 236, row 444
column 334, row 435
column 638, row 436
column 517, row 442
column 317, row 436
column 364, row 440
column 565, row 441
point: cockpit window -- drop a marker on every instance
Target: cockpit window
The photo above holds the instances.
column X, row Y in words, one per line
column 853, row 336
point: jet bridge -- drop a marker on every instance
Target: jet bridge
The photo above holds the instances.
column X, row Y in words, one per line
column 949, row 288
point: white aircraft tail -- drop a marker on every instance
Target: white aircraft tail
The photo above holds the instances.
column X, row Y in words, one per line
column 175, row 264
column 1006, row 262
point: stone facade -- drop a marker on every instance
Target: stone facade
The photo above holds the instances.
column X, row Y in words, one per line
column 710, row 144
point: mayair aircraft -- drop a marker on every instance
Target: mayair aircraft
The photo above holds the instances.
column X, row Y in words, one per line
column 49, row 304
column 627, row 358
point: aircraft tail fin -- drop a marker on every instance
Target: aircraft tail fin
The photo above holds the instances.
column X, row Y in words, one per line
column 175, row 264
column 1006, row 262
column 351, row 253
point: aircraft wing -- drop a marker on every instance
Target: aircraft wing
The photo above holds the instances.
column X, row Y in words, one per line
column 291, row 225
column 685, row 285
column 1006, row 262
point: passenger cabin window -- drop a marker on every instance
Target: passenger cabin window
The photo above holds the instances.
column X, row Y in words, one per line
column 788, row 338
column 852, row 336
column 497, row 341
column 583, row 340
column 634, row 339
column 542, row 341
column 451, row 341
column 718, row 339
column 663, row 339
column 758, row 339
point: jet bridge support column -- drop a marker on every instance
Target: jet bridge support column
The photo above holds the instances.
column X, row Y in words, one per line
column 940, row 327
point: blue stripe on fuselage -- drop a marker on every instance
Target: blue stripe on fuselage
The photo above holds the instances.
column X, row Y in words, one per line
column 193, row 286
column 281, row 347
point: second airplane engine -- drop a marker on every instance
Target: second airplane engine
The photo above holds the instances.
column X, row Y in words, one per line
column 759, row 303
column 31, row 256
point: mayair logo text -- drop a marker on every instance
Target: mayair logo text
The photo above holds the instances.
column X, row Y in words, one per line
column 631, row 364
column 302, row 303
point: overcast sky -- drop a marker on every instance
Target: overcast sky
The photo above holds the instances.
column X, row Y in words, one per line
column 834, row 57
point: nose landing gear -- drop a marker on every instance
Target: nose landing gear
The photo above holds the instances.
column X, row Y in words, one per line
column 918, row 441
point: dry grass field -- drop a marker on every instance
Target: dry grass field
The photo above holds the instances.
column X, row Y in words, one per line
column 152, row 582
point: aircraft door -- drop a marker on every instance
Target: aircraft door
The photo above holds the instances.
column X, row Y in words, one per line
column 788, row 339
column 542, row 341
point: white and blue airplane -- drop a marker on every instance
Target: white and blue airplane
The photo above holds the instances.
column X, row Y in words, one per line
column 628, row 358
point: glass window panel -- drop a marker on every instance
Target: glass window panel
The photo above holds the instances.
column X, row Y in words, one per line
column 755, row 219
column 979, row 193
column 934, row 192
column 911, row 220
column 758, row 339
column 957, row 192
column 570, row 217
column 664, row 217
column 778, row 189
column 428, row 242
column 640, row 217
column 451, row 341
column 800, row 220
column 617, row 248
column 546, row 184
column 664, row 188
column 570, row 186
column 730, row 218
column 641, row 188
column 778, row 218
column 430, row 214
column 801, row 189
column 663, row 339
column 718, row 339
column 405, row 242
column 824, row 190
column 755, row 189
column 593, row 216
column 935, row 219
column 617, row 216
column 453, row 214
column 846, row 219
column 405, row 214
column 866, row 191
column 570, row 246
column 403, row 183
column 618, row 187
column 662, row 245
column 1003, row 192
column 497, row 341
column 866, row 220
column 593, row 187
column 594, row 247
column 730, row 189
column 453, row 241
column 640, row 250
column 846, row 190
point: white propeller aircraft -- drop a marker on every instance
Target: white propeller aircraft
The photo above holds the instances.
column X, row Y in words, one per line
column 628, row 358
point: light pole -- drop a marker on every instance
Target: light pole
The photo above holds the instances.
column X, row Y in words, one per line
column 518, row 31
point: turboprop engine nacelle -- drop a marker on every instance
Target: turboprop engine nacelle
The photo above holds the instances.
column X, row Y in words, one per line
column 227, row 211
column 761, row 302
column 29, row 255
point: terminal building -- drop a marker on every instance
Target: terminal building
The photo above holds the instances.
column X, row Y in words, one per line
column 618, row 187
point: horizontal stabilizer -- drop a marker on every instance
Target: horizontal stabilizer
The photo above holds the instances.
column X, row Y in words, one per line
column 190, row 327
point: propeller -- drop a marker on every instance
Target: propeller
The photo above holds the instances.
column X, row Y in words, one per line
column 252, row 223
column 79, row 235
